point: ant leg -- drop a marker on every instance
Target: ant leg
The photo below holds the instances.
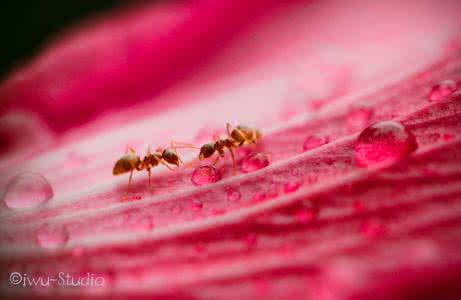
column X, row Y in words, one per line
column 229, row 129
column 216, row 137
column 130, row 149
column 129, row 180
column 216, row 160
column 149, row 172
column 176, row 145
column 234, row 167
column 166, row 165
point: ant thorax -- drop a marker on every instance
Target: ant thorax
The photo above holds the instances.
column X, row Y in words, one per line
column 150, row 160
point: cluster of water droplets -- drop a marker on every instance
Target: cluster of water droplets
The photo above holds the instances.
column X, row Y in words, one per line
column 443, row 90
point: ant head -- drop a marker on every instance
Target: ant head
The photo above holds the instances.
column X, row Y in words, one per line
column 206, row 151
column 126, row 163
column 171, row 157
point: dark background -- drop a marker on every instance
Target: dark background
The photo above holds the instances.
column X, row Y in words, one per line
column 28, row 25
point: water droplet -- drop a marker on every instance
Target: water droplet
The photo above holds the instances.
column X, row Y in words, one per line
column 205, row 175
column 272, row 191
column 233, row 195
column 305, row 215
column 358, row 118
column 75, row 160
column 217, row 211
column 386, row 141
column 259, row 196
column 78, row 251
column 50, row 238
column 291, row 187
column 144, row 224
column 312, row 142
column 197, row 205
column 176, row 209
column 448, row 137
column 254, row 162
column 27, row 190
column 373, row 229
column 358, row 206
column 442, row 90
column 200, row 248
column 251, row 239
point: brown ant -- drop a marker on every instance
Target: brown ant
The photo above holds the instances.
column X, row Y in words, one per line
column 237, row 137
column 131, row 161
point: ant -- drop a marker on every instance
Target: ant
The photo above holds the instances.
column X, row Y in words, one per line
column 237, row 137
column 131, row 161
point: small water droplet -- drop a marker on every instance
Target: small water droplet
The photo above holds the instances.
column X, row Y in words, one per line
column 197, row 205
column 176, row 209
column 217, row 211
column 251, row 240
column 27, row 190
column 358, row 206
column 144, row 224
column 50, row 238
column 272, row 191
column 291, row 187
column 200, row 248
column 254, row 162
column 78, row 251
column 75, row 160
column 448, row 137
column 259, row 196
column 305, row 215
column 205, row 175
column 312, row 142
column 442, row 90
column 373, row 229
column 358, row 118
column 386, row 141
column 233, row 195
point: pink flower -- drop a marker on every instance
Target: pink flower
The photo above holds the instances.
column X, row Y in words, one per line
column 165, row 72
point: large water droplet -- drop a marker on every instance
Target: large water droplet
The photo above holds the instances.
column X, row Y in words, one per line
column 442, row 90
column 312, row 142
column 205, row 175
column 50, row 238
column 27, row 190
column 386, row 141
column 254, row 162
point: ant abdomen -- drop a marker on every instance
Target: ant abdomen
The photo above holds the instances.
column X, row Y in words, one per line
column 127, row 163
